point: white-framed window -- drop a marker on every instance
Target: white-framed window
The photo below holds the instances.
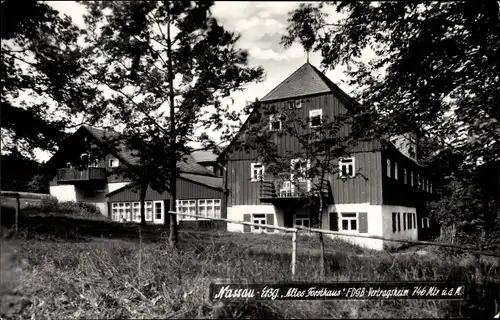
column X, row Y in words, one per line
column 121, row 211
column 299, row 166
column 412, row 181
column 186, row 206
column 258, row 219
column 114, row 212
column 388, row 167
column 148, row 210
column 430, row 187
column 303, row 219
column 113, row 163
column 347, row 167
column 395, row 170
column 274, row 122
column 349, row 221
column 256, row 171
column 419, row 181
column 136, row 211
column 210, row 208
column 127, row 215
column 405, row 179
column 315, row 117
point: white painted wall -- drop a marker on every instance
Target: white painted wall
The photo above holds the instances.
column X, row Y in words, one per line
column 110, row 187
column 71, row 193
column 237, row 212
column 375, row 224
column 64, row 192
column 379, row 222
column 411, row 234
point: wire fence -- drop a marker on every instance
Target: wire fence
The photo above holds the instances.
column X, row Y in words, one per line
column 296, row 229
column 25, row 196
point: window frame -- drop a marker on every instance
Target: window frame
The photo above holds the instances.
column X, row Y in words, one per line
column 312, row 114
column 214, row 204
column 341, row 164
column 252, row 169
column 258, row 218
column 350, row 219
column 186, row 203
column 275, row 118
column 111, row 160
column 302, row 217
column 302, row 169
column 396, row 176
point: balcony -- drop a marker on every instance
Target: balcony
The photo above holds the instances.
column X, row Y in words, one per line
column 68, row 175
column 275, row 190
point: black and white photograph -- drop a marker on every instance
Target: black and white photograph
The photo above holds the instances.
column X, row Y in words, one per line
column 250, row 159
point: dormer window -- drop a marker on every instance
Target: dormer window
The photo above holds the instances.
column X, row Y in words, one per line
column 315, row 117
column 113, row 163
column 274, row 122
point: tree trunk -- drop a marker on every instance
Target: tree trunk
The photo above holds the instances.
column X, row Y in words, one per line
column 173, row 157
column 143, row 202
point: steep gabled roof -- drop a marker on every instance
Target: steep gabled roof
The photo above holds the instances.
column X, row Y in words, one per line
column 305, row 81
column 120, row 150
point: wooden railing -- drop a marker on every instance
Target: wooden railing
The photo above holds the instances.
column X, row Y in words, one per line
column 282, row 188
column 70, row 175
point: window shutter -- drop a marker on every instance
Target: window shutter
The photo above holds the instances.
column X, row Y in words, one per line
column 363, row 222
column 247, row 218
column 334, row 226
column 270, row 221
column 394, row 226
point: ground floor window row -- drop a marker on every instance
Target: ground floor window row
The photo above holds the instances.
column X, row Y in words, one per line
column 154, row 211
column 344, row 221
column 406, row 221
column 131, row 211
column 210, row 208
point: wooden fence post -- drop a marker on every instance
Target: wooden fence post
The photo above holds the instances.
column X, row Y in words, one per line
column 322, row 256
column 18, row 209
column 294, row 252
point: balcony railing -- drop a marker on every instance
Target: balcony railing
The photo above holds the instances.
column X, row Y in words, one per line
column 73, row 175
column 274, row 189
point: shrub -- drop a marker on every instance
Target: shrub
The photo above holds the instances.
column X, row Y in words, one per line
column 53, row 206
column 47, row 204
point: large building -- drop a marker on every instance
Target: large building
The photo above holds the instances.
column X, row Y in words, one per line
column 89, row 167
column 387, row 200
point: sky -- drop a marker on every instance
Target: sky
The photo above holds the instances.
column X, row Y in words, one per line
column 261, row 25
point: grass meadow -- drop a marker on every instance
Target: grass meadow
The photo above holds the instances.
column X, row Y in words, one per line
column 69, row 268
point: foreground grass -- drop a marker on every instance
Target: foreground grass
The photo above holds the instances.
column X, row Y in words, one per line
column 61, row 267
column 106, row 278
